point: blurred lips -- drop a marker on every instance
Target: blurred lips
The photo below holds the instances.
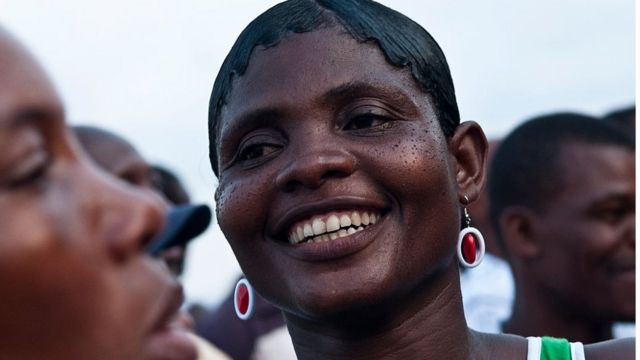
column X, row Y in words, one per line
column 167, row 338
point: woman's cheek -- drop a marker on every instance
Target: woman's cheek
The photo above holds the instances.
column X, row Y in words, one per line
column 238, row 209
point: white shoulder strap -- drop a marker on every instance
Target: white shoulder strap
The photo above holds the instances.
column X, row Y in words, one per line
column 577, row 351
column 534, row 346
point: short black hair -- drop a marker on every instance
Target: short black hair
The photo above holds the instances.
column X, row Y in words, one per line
column 526, row 168
column 624, row 117
column 403, row 42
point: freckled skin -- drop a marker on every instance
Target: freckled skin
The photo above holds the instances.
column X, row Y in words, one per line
column 382, row 167
column 403, row 164
column 321, row 117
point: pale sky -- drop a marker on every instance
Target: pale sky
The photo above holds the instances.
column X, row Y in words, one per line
column 145, row 68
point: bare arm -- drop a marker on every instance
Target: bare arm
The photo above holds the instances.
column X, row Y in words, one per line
column 613, row 349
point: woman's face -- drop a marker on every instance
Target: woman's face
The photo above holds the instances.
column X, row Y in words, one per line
column 319, row 134
column 73, row 279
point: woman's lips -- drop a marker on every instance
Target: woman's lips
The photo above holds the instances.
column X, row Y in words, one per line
column 338, row 247
column 332, row 225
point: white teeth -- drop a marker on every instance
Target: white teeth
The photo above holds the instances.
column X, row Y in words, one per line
column 335, row 226
column 319, row 227
column 333, row 223
column 355, row 219
column 308, row 231
column 365, row 219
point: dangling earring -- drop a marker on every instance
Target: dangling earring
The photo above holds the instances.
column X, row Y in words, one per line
column 470, row 243
column 243, row 299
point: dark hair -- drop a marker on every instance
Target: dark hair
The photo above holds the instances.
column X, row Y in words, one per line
column 403, row 42
column 526, row 169
column 625, row 118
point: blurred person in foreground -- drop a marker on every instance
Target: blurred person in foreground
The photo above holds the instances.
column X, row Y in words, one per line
column 74, row 279
column 562, row 195
column 120, row 158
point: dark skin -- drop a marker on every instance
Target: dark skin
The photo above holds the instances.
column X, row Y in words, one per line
column 378, row 120
column 118, row 157
column 74, row 279
column 321, row 123
column 574, row 262
column 479, row 211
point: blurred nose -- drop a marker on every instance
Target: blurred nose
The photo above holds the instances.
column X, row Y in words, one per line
column 315, row 165
column 129, row 217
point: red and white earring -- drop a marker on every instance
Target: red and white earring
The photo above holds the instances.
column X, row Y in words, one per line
column 470, row 243
column 243, row 299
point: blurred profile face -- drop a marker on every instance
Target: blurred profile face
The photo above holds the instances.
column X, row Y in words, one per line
column 117, row 157
column 587, row 233
column 120, row 159
column 318, row 135
column 74, row 281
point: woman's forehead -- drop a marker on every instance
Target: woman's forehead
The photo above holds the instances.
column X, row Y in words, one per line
column 307, row 67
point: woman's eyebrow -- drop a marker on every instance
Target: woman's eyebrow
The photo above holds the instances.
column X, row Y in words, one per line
column 252, row 119
column 359, row 89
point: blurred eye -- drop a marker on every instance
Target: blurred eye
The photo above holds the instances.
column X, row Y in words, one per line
column 34, row 175
column 256, row 151
column 613, row 214
column 367, row 121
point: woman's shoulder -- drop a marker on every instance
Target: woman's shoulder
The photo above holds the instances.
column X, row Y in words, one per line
column 500, row 346
column 611, row 349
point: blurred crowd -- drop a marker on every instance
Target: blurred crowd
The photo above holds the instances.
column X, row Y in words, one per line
column 557, row 216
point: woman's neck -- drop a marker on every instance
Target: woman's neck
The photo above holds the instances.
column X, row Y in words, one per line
column 429, row 322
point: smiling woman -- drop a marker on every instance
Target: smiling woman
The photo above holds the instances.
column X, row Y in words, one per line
column 74, row 280
column 343, row 171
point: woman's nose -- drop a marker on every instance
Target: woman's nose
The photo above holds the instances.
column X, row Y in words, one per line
column 313, row 167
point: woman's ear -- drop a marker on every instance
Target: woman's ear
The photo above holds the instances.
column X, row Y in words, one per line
column 468, row 146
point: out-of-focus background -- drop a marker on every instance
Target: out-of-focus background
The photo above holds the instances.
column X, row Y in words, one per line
column 145, row 68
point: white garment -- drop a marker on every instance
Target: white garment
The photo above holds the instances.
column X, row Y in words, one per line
column 534, row 349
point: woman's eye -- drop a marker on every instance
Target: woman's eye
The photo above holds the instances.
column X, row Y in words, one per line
column 366, row 121
column 256, row 151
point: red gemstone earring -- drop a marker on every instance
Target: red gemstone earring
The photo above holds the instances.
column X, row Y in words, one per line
column 470, row 243
column 243, row 299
